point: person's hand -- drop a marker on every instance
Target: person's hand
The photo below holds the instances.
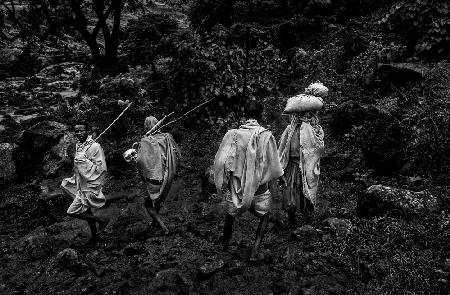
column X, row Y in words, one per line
column 81, row 157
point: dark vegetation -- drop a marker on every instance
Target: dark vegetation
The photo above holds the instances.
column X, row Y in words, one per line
column 387, row 121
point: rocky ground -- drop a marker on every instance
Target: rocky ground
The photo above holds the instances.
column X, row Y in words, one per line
column 369, row 235
column 336, row 252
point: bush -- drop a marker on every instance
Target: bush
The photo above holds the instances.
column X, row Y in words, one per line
column 210, row 69
column 147, row 38
column 424, row 24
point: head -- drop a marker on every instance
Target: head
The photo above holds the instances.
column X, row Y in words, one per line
column 150, row 122
column 254, row 110
column 81, row 132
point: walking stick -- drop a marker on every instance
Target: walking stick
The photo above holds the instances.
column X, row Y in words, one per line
column 120, row 115
column 244, row 88
column 156, row 127
column 181, row 117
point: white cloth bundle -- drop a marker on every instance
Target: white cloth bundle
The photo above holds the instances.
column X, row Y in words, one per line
column 317, row 89
column 303, row 103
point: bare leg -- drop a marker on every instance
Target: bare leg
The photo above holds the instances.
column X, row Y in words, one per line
column 91, row 220
column 227, row 231
column 259, row 235
column 153, row 212
column 291, row 216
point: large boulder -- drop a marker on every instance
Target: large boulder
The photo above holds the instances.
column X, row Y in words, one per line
column 399, row 73
column 379, row 199
column 7, row 165
column 57, row 158
column 35, row 143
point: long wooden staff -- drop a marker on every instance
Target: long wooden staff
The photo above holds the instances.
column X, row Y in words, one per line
column 244, row 87
column 182, row 116
column 156, row 127
column 120, row 115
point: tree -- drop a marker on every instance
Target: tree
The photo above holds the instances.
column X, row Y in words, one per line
column 94, row 20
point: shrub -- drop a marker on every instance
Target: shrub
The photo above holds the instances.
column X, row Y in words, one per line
column 424, row 24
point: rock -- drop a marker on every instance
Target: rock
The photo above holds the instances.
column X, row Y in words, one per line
column 57, row 158
column 7, row 165
column 210, row 268
column 133, row 249
column 43, row 135
column 36, row 245
column 379, row 199
column 55, row 200
column 67, row 258
column 172, row 279
column 341, row 227
column 306, row 231
column 138, row 231
column 399, row 73
column 35, row 142
column 42, row 242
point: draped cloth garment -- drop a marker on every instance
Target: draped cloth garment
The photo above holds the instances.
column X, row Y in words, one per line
column 247, row 158
column 301, row 145
column 157, row 162
column 85, row 186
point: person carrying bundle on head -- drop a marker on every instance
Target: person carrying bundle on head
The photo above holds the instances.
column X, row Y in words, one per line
column 85, row 186
column 157, row 159
column 300, row 149
column 247, row 160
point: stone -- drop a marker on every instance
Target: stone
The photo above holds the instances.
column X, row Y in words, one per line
column 379, row 199
column 57, row 158
column 133, row 249
column 172, row 279
column 35, row 143
column 305, row 231
column 43, row 136
column 341, row 227
column 210, row 268
column 67, row 258
column 53, row 199
column 399, row 73
column 7, row 165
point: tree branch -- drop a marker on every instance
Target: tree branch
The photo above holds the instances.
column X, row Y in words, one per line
column 102, row 17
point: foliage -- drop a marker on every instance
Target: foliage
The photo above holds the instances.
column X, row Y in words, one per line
column 205, row 14
column 211, row 69
column 428, row 147
column 148, row 37
column 423, row 23
column 45, row 17
column 364, row 65
column 394, row 256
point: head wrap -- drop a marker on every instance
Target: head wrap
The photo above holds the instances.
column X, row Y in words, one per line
column 150, row 121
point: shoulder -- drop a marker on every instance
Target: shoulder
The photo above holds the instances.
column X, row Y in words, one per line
column 95, row 146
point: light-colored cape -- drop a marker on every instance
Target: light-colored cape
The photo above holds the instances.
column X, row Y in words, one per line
column 248, row 157
column 158, row 160
column 89, row 177
column 312, row 148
